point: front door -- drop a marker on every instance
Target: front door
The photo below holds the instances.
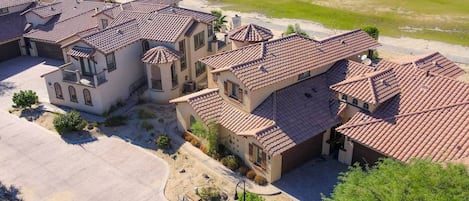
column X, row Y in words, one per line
column 87, row 67
column 336, row 142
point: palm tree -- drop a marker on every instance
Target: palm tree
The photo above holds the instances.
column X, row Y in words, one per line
column 220, row 20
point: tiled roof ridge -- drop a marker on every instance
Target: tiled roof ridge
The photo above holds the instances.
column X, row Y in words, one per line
column 374, row 96
column 112, row 27
column 196, row 11
column 405, row 115
column 366, row 76
column 160, row 54
column 108, row 9
column 338, row 36
column 192, row 96
column 235, row 50
column 246, row 29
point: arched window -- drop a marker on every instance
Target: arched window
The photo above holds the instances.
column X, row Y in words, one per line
column 366, row 106
column 145, row 46
column 58, row 91
column 87, row 97
column 355, row 101
column 73, row 94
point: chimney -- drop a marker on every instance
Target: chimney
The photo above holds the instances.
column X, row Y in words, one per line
column 236, row 21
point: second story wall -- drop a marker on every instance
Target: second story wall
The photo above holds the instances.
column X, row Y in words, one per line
column 194, row 54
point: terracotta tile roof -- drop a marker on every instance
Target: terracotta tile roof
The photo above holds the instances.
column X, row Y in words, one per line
column 374, row 87
column 197, row 15
column 165, row 2
column 433, row 62
column 345, row 69
column 251, row 33
column 224, row 60
column 160, row 55
column 143, row 7
column 207, row 104
column 14, row 23
column 289, row 56
column 78, row 51
column 113, row 38
column 13, row 3
column 66, row 8
column 428, row 118
column 64, row 29
column 49, row 10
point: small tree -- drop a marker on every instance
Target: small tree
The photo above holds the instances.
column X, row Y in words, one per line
column 394, row 180
column 295, row 29
column 372, row 31
column 221, row 20
column 24, row 99
column 71, row 121
column 208, row 132
column 163, row 141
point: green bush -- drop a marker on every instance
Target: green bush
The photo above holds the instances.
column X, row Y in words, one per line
column 145, row 114
column 250, row 197
column 163, row 141
column 209, row 194
column 71, row 121
column 260, row 180
column 251, row 174
column 115, row 121
column 230, row 162
column 24, row 99
column 146, row 126
column 372, row 31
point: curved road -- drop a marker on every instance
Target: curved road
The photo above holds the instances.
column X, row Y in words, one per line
column 44, row 167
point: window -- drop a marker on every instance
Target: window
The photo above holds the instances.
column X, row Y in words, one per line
column 73, row 94
column 104, row 22
column 344, row 97
column 199, row 40
column 355, row 101
column 58, row 91
column 111, row 62
column 233, row 90
column 145, row 46
column 199, row 68
column 87, row 97
column 304, row 75
column 87, row 66
column 257, row 156
column 3, row 11
column 182, row 49
column 174, row 76
column 366, row 106
column 210, row 30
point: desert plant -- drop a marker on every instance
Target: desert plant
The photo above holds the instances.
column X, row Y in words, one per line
column 208, row 132
column 251, row 174
column 260, row 180
column 195, row 142
column 71, row 121
column 209, row 194
column 231, row 162
column 146, row 125
column 24, row 99
column 295, row 29
column 220, row 21
column 9, row 193
column 115, row 121
column 145, row 114
column 163, row 141
column 187, row 137
column 203, row 148
column 243, row 170
column 250, row 197
column 372, row 31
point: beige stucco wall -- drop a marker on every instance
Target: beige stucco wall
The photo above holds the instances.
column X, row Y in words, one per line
column 326, row 146
column 351, row 109
column 168, row 92
column 346, row 156
column 194, row 55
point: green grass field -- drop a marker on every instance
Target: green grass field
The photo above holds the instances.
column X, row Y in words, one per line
column 440, row 20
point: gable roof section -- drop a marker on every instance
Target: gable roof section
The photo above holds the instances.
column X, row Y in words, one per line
column 160, row 55
column 64, row 29
column 13, row 3
column 428, row 119
column 251, row 33
column 164, row 27
column 375, row 87
column 433, row 62
column 64, row 9
column 289, row 56
column 197, row 15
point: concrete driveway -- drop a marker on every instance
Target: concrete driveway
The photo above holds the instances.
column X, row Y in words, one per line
column 23, row 73
column 44, row 167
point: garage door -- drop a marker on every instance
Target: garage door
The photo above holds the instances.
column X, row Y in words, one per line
column 9, row 50
column 302, row 153
column 364, row 155
column 49, row 50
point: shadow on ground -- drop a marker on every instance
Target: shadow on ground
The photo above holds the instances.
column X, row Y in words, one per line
column 310, row 180
column 17, row 65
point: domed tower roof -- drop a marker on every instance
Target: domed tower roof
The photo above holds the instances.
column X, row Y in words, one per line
column 251, row 33
column 160, row 55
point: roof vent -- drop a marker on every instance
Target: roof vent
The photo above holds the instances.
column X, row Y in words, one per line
column 52, row 8
column 436, row 64
column 342, row 42
column 262, row 68
column 149, row 19
column 308, row 95
column 119, row 31
column 172, row 10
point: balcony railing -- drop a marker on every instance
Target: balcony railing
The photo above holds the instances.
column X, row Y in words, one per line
column 156, row 84
column 71, row 73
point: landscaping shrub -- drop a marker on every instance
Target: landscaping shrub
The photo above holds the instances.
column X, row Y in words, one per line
column 372, row 31
column 163, row 141
column 187, row 137
column 195, row 142
column 146, row 126
column 120, row 103
column 24, row 99
column 215, row 156
column 250, row 197
column 115, row 121
column 71, row 121
column 209, row 194
column 231, row 162
column 204, row 149
column 145, row 114
column 243, row 170
column 260, row 180
column 251, row 174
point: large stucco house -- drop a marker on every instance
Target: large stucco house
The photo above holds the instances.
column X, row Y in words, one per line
column 282, row 102
column 130, row 46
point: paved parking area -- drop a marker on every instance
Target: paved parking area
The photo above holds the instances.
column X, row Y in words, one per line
column 23, row 73
column 44, row 167
column 310, row 180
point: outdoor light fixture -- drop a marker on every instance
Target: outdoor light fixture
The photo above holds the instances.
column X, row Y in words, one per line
column 244, row 190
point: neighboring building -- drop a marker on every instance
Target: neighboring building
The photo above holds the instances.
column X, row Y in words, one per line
column 134, row 45
column 12, row 26
column 271, row 100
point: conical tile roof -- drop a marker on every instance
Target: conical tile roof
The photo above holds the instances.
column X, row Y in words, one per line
column 160, row 55
column 251, row 33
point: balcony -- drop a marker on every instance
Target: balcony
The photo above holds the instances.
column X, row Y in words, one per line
column 71, row 73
